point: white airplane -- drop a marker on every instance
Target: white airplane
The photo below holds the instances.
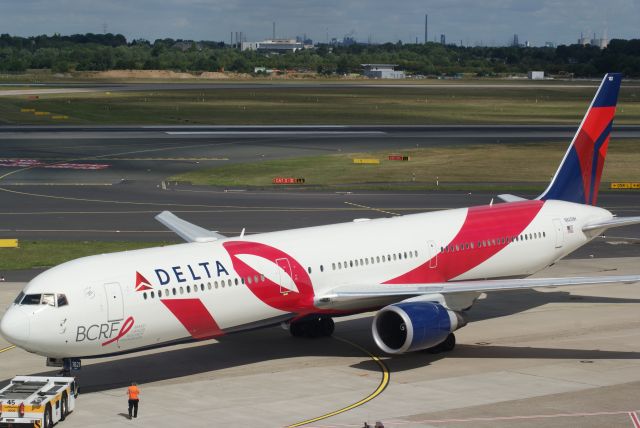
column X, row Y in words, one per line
column 420, row 272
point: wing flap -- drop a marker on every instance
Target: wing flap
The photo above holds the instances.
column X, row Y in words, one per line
column 187, row 231
column 355, row 292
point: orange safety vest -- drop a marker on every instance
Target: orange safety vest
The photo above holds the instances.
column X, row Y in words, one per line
column 133, row 392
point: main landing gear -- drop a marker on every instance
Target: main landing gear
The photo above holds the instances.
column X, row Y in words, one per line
column 312, row 327
column 447, row 345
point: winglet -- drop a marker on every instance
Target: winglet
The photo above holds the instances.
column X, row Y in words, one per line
column 187, row 231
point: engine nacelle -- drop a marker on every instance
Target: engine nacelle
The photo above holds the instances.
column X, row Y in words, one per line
column 414, row 325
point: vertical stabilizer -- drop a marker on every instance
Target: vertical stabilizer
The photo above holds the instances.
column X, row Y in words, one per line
column 578, row 177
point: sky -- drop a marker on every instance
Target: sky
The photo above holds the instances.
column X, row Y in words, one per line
column 472, row 22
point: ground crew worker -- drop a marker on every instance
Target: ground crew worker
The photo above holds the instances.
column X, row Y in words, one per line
column 134, row 397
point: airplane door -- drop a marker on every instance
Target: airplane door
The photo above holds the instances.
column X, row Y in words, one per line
column 115, row 307
column 433, row 254
column 557, row 224
column 285, row 278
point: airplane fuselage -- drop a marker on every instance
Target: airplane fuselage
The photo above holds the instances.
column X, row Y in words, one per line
column 132, row 300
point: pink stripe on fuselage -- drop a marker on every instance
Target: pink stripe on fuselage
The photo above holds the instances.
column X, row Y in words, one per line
column 498, row 224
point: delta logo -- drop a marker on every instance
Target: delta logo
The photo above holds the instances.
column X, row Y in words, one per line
column 142, row 284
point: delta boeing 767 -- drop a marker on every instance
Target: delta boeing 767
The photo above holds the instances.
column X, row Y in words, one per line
column 419, row 272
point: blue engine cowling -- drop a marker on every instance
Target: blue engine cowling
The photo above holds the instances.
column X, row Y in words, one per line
column 412, row 326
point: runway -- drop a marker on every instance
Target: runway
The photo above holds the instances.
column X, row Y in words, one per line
column 105, row 183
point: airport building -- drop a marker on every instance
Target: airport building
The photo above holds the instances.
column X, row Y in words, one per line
column 536, row 75
column 382, row 71
column 274, row 45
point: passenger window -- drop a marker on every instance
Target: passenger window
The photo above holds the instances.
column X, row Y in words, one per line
column 321, row 268
column 230, row 283
column 188, row 289
column 339, row 265
column 202, row 287
column 544, row 234
column 181, row 290
column 153, row 295
column 174, row 291
column 261, row 277
column 48, row 299
column 62, row 300
column 209, row 286
column 159, row 293
column 351, row 263
column 236, row 281
column 309, row 269
column 356, row 262
column 416, row 253
column 249, row 280
column 144, row 295
column 333, row 266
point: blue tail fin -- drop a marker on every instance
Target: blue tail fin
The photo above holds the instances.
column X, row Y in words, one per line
column 578, row 177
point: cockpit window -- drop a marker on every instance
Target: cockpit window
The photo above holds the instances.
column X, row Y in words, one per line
column 62, row 300
column 49, row 299
column 31, row 299
column 19, row 298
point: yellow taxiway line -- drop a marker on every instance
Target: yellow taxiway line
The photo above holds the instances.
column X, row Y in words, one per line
column 384, row 381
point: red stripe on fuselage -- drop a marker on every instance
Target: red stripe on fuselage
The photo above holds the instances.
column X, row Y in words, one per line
column 194, row 316
column 485, row 223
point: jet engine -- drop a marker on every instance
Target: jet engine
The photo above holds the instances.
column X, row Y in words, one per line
column 415, row 325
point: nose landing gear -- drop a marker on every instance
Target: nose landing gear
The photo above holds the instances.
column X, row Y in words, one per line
column 317, row 326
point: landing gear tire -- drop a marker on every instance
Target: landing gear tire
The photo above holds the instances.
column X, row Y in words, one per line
column 64, row 407
column 48, row 417
column 446, row 346
column 315, row 327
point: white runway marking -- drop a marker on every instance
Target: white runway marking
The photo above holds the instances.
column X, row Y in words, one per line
column 270, row 133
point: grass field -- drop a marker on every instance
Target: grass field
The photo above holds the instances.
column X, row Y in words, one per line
column 310, row 105
column 474, row 166
column 35, row 254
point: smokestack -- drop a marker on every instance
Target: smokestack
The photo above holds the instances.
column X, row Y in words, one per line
column 426, row 27
column 231, row 44
column 274, row 31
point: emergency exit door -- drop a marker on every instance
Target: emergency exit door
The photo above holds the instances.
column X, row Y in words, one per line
column 285, row 276
column 115, row 306
column 557, row 225
column 433, row 254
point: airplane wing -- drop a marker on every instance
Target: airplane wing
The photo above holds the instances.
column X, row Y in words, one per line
column 614, row 222
column 349, row 293
column 187, row 231
column 510, row 198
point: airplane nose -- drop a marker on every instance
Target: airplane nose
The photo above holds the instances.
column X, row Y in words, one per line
column 15, row 326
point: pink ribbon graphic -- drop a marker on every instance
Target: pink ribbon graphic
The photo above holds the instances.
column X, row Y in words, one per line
column 126, row 327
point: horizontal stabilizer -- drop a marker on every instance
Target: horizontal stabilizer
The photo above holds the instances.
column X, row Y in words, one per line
column 357, row 292
column 510, row 198
column 614, row 222
column 187, row 231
